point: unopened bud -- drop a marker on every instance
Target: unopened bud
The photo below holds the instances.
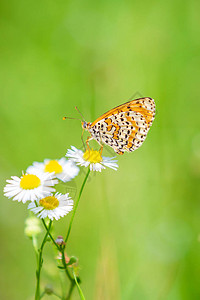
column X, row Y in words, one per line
column 48, row 289
column 32, row 227
column 60, row 240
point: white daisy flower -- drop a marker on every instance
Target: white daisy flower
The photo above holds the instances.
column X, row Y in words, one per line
column 64, row 169
column 30, row 186
column 91, row 158
column 53, row 206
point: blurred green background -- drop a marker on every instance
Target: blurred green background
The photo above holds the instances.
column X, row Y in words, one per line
column 137, row 230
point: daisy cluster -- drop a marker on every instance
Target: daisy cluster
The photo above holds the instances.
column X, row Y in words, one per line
column 38, row 184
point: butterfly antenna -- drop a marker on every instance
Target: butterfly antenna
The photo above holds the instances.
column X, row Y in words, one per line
column 79, row 113
column 136, row 95
column 64, row 118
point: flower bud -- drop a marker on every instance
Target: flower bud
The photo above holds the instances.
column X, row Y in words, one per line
column 32, row 227
column 60, row 240
column 49, row 289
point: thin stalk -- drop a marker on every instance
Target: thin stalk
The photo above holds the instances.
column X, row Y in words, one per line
column 71, row 290
column 58, row 296
column 65, row 265
column 78, row 287
column 47, row 230
column 40, row 261
column 72, row 280
column 42, row 295
column 50, row 235
column 60, row 250
column 53, row 293
column 76, row 205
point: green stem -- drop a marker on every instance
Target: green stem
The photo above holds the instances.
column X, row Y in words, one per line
column 53, row 293
column 65, row 265
column 40, row 261
column 60, row 249
column 50, row 235
column 76, row 205
column 58, row 296
column 73, row 283
column 78, row 287
column 74, row 280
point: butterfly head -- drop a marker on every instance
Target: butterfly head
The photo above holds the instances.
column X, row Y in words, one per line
column 85, row 125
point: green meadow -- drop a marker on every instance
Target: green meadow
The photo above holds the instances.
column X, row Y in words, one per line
column 137, row 230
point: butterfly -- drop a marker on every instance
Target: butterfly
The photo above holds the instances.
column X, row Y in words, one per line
column 125, row 127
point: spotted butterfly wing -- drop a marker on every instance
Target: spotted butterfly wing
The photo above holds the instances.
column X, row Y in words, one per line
column 125, row 127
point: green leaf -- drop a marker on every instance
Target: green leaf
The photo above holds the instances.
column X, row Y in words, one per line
column 72, row 260
column 60, row 267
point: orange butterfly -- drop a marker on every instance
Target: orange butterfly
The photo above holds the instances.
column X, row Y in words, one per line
column 125, row 127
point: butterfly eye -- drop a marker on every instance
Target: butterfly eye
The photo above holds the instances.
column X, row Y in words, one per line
column 84, row 124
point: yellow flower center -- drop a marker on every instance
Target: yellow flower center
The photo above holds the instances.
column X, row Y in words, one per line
column 53, row 166
column 92, row 156
column 49, row 202
column 29, row 182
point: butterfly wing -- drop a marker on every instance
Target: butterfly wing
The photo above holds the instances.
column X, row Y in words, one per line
column 124, row 128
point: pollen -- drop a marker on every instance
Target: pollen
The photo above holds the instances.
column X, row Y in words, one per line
column 49, row 202
column 53, row 166
column 92, row 156
column 29, row 182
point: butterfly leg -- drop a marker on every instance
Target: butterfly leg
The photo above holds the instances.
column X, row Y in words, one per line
column 88, row 146
column 87, row 141
column 120, row 152
column 101, row 149
column 83, row 140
